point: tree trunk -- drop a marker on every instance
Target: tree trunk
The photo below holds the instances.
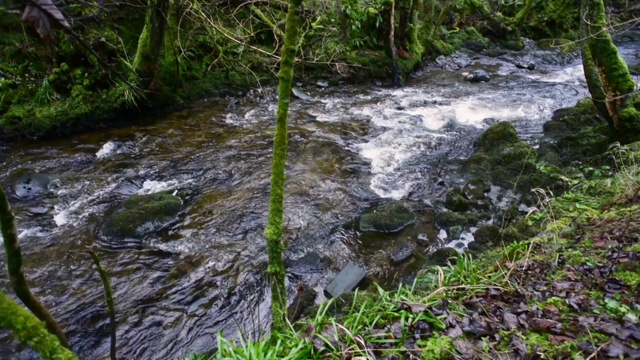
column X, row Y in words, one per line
column 14, row 268
column 274, row 230
column 108, row 294
column 151, row 41
column 607, row 75
column 31, row 331
column 395, row 72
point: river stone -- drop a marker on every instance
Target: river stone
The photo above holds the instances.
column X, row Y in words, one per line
column 447, row 219
column 300, row 94
column 487, row 234
column 32, row 185
column 476, row 189
column 142, row 214
column 401, row 254
column 454, row 232
column 391, row 219
column 496, row 137
column 456, row 201
column 346, row 280
column 478, row 76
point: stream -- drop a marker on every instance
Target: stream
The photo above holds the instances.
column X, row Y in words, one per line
column 351, row 148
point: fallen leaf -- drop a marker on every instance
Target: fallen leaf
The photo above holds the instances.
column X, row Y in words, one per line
column 559, row 339
column 413, row 307
column 544, row 325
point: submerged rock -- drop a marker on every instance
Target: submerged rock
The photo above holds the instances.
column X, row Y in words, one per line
column 32, row 186
column 392, row 219
column 456, row 201
column 478, row 76
column 142, row 214
column 401, row 254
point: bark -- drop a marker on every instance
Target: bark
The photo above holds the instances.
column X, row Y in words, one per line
column 274, row 230
column 108, row 294
column 31, row 331
column 16, row 276
column 150, row 43
column 607, row 75
column 395, row 73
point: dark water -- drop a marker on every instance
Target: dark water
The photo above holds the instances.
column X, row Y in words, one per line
column 350, row 149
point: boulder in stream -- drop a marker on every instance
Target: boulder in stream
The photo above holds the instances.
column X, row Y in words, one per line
column 32, row 186
column 391, row 219
column 142, row 214
column 401, row 254
column 478, row 76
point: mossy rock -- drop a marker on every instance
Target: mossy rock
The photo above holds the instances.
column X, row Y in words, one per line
column 442, row 257
column 487, row 234
column 456, row 201
column 391, row 219
column 569, row 121
column 497, row 136
column 521, row 230
column 448, row 219
column 586, row 145
column 142, row 214
column 476, row 189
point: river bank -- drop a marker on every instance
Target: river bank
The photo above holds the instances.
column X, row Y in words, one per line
column 90, row 81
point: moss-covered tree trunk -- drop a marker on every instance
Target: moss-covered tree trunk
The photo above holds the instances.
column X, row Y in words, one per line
column 395, row 72
column 31, row 331
column 607, row 75
column 150, row 43
column 14, row 268
column 274, row 230
column 108, row 294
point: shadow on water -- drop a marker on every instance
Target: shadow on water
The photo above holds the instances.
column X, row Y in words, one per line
column 351, row 149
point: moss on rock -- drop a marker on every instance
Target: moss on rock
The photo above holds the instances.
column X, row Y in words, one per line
column 141, row 214
column 391, row 219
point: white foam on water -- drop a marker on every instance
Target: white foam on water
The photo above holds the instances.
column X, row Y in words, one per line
column 36, row 231
column 152, row 186
column 76, row 210
column 108, row 149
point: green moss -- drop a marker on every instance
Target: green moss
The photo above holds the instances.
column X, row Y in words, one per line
column 141, row 213
column 437, row 347
column 630, row 278
column 31, row 331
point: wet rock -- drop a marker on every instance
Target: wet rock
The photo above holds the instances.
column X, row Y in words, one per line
column 391, row 219
column 142, row 214
column 497, row 136
column 32, row 186
column 401, row 254
column 297, row 92
column 478, row 76
column 423, row 239
column 453, row 62
column 322, row 84
column 506, row 161
column 569, row 121
column 529, row 65
column 302, row 304
column 346, row 280
column 476, row 189
column 443, row 256
column 454, row 232
column 447, row 219
column 456, row 201
column 487, row 234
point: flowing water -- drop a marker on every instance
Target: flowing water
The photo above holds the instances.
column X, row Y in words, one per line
column 351, row 148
